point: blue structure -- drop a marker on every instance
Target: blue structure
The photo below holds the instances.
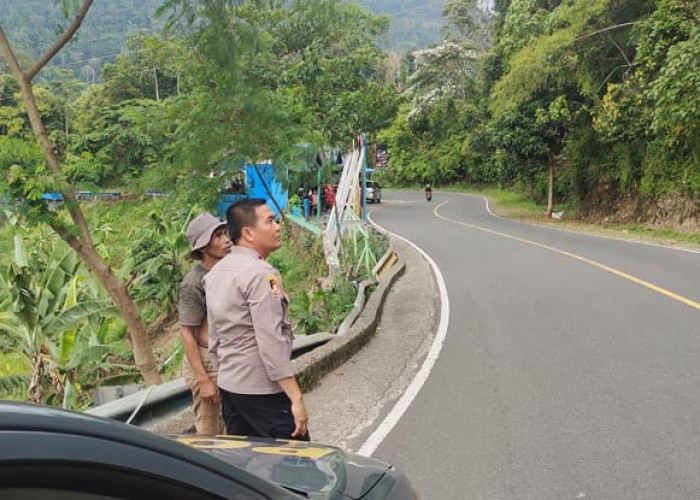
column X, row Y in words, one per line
column 52, row 196
column 260, row 182
column 307, row 209
column 226, row 201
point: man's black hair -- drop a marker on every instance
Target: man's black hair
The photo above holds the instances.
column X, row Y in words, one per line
column 242, row 214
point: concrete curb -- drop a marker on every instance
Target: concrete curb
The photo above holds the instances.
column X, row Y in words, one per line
column 309, row 368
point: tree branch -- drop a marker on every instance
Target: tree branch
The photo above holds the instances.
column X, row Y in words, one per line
column 609, row 28
column 10, row 56
column 66, row 236
column 67, row 35
column 624, row 56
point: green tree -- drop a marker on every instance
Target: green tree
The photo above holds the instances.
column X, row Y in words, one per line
column 125, row 139
column 156, row 263
column 77, row 234
column 149, row 67
column 324, row 60
column 468, row 22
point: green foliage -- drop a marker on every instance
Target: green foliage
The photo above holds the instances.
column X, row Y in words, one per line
column 56, row 323
column 148, row 67
column 324, row 60
column 675, row 95
column 121, row 141
column 536, row 64
column 606, row 90
column 26, row 179
column 32, row 26
column 467, row 21
column 323, row 310
column 301, row 262
column 156, row 262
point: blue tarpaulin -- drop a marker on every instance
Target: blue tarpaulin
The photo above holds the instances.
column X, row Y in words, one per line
column 261, row 182
column 52, row 196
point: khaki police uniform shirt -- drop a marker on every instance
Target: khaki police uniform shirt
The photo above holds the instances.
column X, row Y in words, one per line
column 250, row 339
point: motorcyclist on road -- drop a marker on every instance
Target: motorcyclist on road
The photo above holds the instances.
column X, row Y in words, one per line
column 428, row 192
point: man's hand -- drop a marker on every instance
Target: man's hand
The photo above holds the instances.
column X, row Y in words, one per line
column 208, row 392
column 301, row 418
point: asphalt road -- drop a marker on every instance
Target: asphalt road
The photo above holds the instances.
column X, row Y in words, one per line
column 571, row 365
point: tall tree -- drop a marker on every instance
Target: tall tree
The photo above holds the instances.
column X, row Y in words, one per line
column 77, row 234
column 541, row 60
column 470, row 22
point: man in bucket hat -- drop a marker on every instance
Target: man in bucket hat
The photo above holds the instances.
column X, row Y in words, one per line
column 210, row 242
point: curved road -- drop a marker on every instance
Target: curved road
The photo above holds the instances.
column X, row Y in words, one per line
column 571, row 366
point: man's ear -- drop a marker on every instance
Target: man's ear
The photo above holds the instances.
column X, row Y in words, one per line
column 247, row 233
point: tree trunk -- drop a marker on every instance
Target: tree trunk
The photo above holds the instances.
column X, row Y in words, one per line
column 35, row 393
column 140, row 341
column 155, row 77
column 550, row 187
column 82, row 243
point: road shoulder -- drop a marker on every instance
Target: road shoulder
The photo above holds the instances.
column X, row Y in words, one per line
column 351, row 400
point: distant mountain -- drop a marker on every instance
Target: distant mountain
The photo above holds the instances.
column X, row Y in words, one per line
column 415, row 24
column 32, row 25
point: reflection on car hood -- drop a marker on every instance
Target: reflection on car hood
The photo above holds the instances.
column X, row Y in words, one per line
column 318, row 470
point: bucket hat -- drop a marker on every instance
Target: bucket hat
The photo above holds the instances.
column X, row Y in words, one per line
column 200, row 231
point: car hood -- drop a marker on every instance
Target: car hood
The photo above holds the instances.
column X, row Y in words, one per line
column 316, row 470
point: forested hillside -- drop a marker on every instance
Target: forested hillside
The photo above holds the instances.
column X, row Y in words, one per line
column 592, row 104
column 32, row 24
column 415, row 24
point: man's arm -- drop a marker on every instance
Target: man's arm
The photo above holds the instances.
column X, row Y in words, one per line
column 268, row 315
column 207, row 390
column 301, row 418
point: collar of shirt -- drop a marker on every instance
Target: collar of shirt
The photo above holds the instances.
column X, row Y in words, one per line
column 241, row 250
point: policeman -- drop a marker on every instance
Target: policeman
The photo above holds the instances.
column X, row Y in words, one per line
column 250, row 338
column 210, row 243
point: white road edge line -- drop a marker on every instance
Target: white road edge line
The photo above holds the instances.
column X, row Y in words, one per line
column 390, row 421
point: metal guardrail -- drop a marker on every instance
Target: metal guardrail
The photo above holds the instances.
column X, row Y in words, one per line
column 176, row 393
column 357, row 306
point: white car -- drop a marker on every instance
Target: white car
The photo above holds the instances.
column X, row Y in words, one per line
column 374, row 192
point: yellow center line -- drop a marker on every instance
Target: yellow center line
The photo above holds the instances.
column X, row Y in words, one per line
column 616, row 272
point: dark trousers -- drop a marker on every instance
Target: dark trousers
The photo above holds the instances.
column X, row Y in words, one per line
column 263, row 415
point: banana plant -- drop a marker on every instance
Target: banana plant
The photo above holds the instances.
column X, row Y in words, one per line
column 157, row 260
column 48, row 315
column 13, row 379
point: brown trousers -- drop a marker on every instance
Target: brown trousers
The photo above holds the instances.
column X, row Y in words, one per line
column 208, row 417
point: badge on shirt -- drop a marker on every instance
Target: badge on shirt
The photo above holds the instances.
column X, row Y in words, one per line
column 275, row 287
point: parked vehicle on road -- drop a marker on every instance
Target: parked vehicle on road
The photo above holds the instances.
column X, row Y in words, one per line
column 374, row 192
column 47, row 453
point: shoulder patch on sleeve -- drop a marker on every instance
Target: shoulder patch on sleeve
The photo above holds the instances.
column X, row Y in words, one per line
column 275, row 287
